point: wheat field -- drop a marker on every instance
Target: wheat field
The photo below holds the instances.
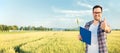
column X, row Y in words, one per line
column 50, row 42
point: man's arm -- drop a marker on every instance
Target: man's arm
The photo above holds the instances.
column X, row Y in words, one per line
column 105, row 26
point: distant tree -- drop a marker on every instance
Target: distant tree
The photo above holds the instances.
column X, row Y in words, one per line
column 10, row 27
column 33, row 28
column 1, row 27
column 25, row 28
column 14, row 27
column 21, row 28
column 4, row 28
column 29, row 27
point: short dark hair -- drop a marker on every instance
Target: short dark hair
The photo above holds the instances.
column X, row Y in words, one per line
column 97, row 6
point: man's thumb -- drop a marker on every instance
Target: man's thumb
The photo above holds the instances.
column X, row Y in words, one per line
column 104, row 20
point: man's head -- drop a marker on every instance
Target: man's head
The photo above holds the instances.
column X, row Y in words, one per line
column 97, row 12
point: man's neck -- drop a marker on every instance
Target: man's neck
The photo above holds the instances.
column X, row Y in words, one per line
column 95, row 22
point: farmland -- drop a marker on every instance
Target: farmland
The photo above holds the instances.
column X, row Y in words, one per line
column 50, row 42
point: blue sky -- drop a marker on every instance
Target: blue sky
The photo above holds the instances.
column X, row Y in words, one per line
column 56, row 13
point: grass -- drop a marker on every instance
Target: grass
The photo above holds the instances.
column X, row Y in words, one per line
column 50, row 42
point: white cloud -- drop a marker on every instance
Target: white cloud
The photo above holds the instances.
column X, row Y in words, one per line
column 88, row 5
column 75, row 13
column 67, row 18
column 65, row 22
column 72, row 13
column 84, row 4
column 106, row 9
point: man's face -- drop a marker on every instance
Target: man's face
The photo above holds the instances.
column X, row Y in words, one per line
column 97, row 13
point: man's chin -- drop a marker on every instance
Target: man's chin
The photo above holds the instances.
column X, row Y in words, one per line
column 97, row 19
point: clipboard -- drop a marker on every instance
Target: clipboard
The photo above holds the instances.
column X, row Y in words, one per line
column 86, row 35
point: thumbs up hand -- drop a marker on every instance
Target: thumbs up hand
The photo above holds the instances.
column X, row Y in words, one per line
column 105, row 26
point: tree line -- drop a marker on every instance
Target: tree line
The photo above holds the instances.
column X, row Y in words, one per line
column 40, row 28
column 5, row 28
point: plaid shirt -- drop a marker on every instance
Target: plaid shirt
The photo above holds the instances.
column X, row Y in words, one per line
column 101, row 34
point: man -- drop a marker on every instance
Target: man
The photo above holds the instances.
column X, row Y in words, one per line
column 98, row 30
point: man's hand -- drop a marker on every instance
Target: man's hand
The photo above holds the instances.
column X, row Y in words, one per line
column 79, row 37
column 104, row 26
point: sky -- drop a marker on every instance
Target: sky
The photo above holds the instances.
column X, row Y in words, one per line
column 56, row 13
